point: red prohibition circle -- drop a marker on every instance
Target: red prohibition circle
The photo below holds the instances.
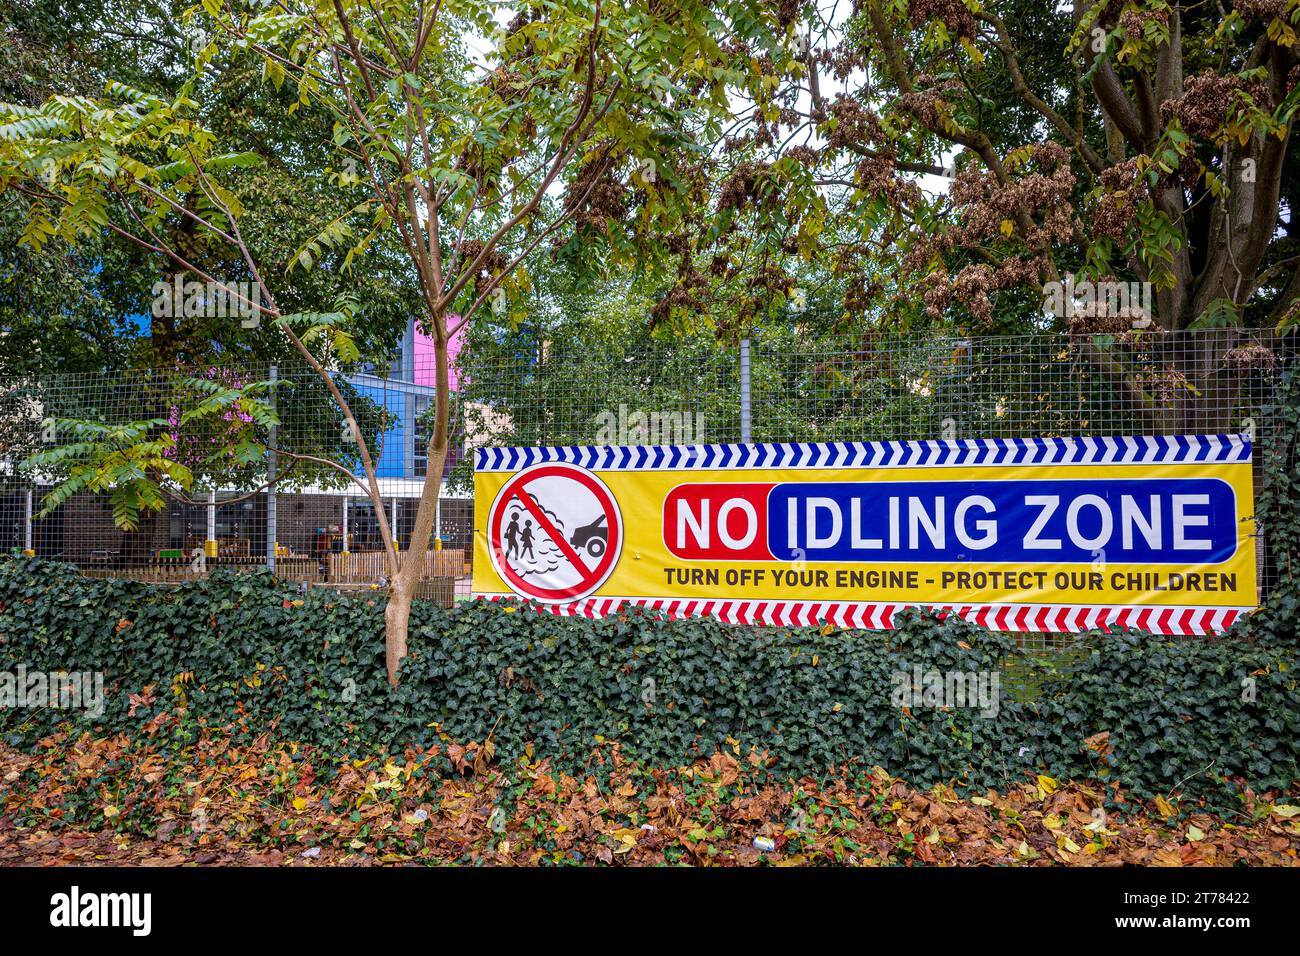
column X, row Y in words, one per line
column 590, row 579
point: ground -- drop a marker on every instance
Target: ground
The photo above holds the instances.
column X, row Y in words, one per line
column 120, row 801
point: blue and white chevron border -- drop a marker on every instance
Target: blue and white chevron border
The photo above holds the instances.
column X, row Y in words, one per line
column 1127, row 450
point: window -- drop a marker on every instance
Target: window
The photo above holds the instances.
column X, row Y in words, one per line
column 420, row 453
column 420, row 443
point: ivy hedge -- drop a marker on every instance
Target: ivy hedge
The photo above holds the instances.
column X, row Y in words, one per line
column 1204, row 718
column 1277, row 505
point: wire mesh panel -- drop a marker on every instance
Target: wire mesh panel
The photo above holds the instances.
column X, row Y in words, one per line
column 270, row 473
column 1135, row 382
column 623, row 393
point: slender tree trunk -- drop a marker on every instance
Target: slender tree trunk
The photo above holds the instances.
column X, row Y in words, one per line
column 402, row 588
column 397, row 618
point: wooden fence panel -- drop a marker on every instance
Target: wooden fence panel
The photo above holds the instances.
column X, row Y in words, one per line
column 362, row 567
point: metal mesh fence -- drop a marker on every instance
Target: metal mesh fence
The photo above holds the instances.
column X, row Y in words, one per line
column 287, row 495
column 1025, row 387
column 1132, row 383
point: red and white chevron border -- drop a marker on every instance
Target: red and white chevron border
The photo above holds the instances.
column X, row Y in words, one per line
column 1020, row 618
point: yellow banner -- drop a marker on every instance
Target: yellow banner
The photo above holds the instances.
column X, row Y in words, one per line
column 1073, row 530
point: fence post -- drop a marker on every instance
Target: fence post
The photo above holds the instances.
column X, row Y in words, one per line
column 27, row 523
column 210, row 549
column 270, row 489
column 954, row 424
column 346, row 498
column 745, row 432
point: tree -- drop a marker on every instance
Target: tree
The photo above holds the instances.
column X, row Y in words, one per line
column 101, row 295
column 957, row 162
column 579, row 115
column 1175, row 122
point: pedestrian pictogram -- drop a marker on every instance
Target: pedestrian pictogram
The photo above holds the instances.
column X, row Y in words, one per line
column 554, row 532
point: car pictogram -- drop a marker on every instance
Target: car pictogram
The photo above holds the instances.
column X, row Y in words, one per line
column 592, row 536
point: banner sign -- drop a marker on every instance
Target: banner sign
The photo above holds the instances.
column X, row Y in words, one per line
column 1052, row 534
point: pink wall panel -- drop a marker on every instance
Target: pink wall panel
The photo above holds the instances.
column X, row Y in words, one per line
column 424, row 363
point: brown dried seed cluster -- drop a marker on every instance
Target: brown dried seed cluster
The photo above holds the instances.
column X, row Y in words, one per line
column 493, row 265
column 1133, row 22
column 595, row 197
column 1260, row 9
column 506, row 83
column 951, row 12
column 972, row 286
column 1043, row 193
column 803, row 155
column 841, row 61
column 877, row 176
column 517, row 24
column 1209, row 100
column 1122, row 192
column 859, row 294
column 936, row 292
column 689, row 293
column 1085, row 322
column 742, row 190
column 855, row 124
column 1251, row 357
column 735, row 48
column 927, row 101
